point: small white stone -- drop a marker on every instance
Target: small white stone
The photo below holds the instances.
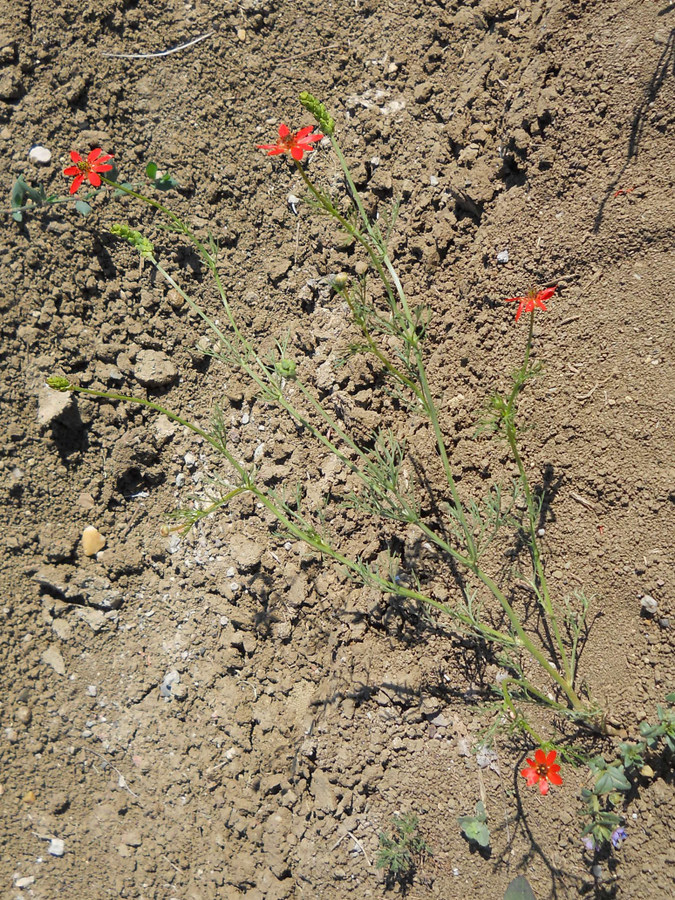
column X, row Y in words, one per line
column 649, row 604
column 92, row 690
column 56, row 847
column 40, row 154
column 24, row 882
column 503, row 256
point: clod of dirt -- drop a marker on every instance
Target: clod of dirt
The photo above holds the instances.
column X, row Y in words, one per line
column 153, row 368
column 245, row 552
column 53, row 658
column 53, row 405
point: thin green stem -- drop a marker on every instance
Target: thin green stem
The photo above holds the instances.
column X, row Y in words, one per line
column 541, row 582
column 140, row 401
column 375, row 349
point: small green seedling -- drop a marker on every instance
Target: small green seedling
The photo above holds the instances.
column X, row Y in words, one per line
column 475, row 828
column 397, row 853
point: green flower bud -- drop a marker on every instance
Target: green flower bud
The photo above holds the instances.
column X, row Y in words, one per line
column 319, row 111
column 58, row 383
column 341, row 281
column 286, row 368
column 135, row 238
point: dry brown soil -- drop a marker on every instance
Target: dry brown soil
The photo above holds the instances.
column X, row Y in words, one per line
column 309, row 711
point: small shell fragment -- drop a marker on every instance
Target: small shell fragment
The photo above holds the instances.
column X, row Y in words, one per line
column 92, row 541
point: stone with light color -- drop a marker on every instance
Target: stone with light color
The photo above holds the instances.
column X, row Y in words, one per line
column 92, row 541
column 40, row 154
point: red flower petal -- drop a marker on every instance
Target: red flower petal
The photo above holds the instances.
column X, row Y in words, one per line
column 75, row 156
column 94, row 179
column 543, row 787
column 555, row 778
column 550, row 758
column 540, row 757
column 284, row 131
column 547, row 293
column 71, row 171
column 302, row 134
column 76, row 184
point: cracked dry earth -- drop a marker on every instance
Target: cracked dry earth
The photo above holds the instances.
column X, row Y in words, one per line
column 223, row 714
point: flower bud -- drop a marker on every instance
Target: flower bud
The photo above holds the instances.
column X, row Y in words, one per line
column 286, row 368
column 58, row 383
column 135, row 238
column 341, row 281
column 319, row 111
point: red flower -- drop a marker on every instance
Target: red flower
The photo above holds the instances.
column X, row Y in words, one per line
column 87, row 168
column 534, row 298
column 542, row 770
column 295, row 144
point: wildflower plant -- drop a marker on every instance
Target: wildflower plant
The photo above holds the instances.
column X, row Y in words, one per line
column 392, row 333
column 539, row 652
column 399, row 851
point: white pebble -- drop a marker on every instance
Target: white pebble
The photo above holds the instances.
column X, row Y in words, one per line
column 649, row 604
column 56, row 847
column 39, row 154
column 92, row 690
column 503, row 256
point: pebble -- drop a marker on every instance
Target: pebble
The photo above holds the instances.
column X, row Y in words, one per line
column 56, row 847
column 95, row 618
column 92, row 690
column 503, row 256
column 649, row 605
column 169, row 684
column 11, row 735
column 40, row 154
column 24, row 882
column 92, row 541
column 24, row 715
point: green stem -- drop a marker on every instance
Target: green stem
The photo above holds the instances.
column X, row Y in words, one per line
column 140, row 401
column 376, row 351
column 541, row 583
column 498, row 594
